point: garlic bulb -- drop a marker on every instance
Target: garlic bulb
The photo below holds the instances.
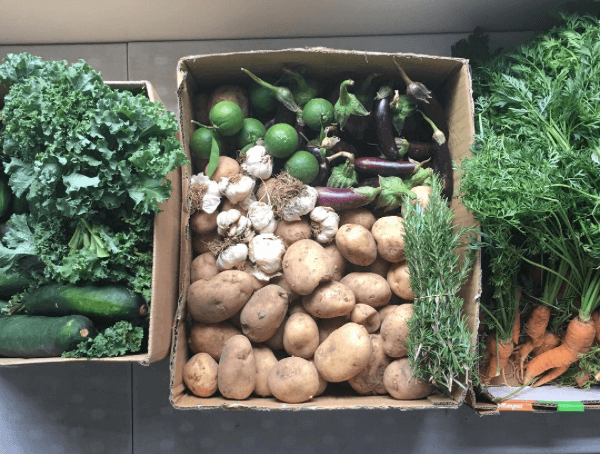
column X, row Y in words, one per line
column 212, row 196
column 236, row 188
column 225, row 219
column 258, row 162
column 262, row 217
column 232, row 224
column 233, row 257
column 327, row 221
column 262, row 276
column 301, row 205
column 266, row 251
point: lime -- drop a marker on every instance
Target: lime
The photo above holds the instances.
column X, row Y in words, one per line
column 245, row 149
column 262, row 100
column 281, row 140
column 317, row 112
column 251, row 131
column 302, row 165
column 227, row 118
column 201, row 142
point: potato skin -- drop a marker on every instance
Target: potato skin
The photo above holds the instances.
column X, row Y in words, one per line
column 292, row 231
column 394, row 331
column 370, row 379
column 389, row 236
column 400, row 383
column 284, row 284
column 368, row 288
column 249, row 269
column 264, row 360
column 237, row 369
column 219, row 298
column 200, row 375
column 360, row 216
column 202, row 223
column 329, row 325
column 356, row 244
column 366, row 316
column 300, row 335
column 329, row 300
column 344, row 353
column 227, row 205
column 275, row 342
column 399, row 281
column 204, row 267
column 263, row 313
column 305, row 265
column 200, row 242
column 294, row 380
column 211, row 338
column 385, row 311
column 338, row 262
column 233, row 93
column 227, row 167
column 266, row 186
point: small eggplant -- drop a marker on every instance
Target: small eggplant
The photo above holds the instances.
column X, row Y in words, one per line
column 283, row 94
column 341, row 199
column 370, row 182
column 419, row 151
column 324, row 166
column 442, row 161
column 343, row 175
column 383, row 123
column 304, row 89
column 347, row 104
column 385, row 168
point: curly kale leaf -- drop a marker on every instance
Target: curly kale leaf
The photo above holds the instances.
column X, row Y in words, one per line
column 118, row 340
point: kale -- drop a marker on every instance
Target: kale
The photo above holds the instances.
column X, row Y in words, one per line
column 117, row 340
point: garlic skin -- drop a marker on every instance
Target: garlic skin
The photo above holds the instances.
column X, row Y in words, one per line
column 258, row 163
column 262, row 217
column 266, row 251
column 328, row 223
column 301, row 205
column 263, row 277
column 212, row 196
column 232, row 257
column 225, row 219
column 232, row 224
column 238, row 191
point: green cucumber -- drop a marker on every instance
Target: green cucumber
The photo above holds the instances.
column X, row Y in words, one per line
column 11, row 284
column 5, row 195
column 101, row 304
column 25, row 336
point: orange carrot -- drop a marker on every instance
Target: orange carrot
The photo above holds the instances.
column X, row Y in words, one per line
column 596, row 320
column 582, row 378
column 536, row 330
column 578, row 340
column 500, row 353
column 551, row 341
column 516, row 327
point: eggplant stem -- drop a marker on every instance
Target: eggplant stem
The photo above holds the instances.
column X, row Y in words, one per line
column 407, row 80
column 197, row 123
column 436, row 130
column 349, row 156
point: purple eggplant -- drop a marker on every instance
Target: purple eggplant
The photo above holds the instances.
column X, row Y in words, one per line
column 383, row 124
column 385, row 168
column 370, row 182
column 420, row 151
column 324, row 166
column 341, row 199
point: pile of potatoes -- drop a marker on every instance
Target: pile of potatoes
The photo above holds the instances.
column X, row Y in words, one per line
column 338, row 313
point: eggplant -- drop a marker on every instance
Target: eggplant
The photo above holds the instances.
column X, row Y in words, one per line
column 442, row 161
column 370, row 182
column 341, row 199
column 324, row 166
column 385, row 168
column 420, row 151
column 383, row 124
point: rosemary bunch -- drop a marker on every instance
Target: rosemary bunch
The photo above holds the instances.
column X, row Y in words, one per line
column 440, row 344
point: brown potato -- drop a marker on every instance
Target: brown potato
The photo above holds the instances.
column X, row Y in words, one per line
column 233, row 93
column 284, row 284
column 200, row 375
column 227, row 167
column 200, row 242
column 300, row 335
column 235, row 319
column 344, row 353
column 211, row 338
column 305, row 265
column 294, row 380
column 204, row 267
column 296, row 307
column 385, row 311
column 329, row 300
column 263, row 313
column 329, row 325
column 249, row 269
column 370, row 379
column 389, row 236
column 399, row 281
column 368, row 288
column 275, row 342
column 394, row 331
column 366, row 316
column 379, row 266
column 359, row 216
column 237, row 369
column 219, row 298
column 338, row 262
column 356, row 244
column 202, row 223
column 292, row 231
column 399, row 381
column 264, row 360
column 264, row 188
column 227, row 205
column 322, row 382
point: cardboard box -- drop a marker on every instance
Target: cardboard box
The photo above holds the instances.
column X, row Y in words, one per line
column 165, row 266
column 447, row 77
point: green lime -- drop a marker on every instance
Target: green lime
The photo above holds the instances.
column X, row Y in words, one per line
column 245, row 149
column 227, row 118
column 251, row 131
column 262, row 99
column 317, row 112
column 281, row 140
column 201, row 142
column 302, row 165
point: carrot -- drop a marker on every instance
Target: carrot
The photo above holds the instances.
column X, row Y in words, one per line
column 596, row 320
column 582, row 378
column 551, row 341
column 516, row 332
column 536, row 330
column 578, row 340
column 500, row 353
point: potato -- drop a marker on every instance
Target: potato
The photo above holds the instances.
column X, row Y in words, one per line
column 385, row 311
column 249, row 269
column 202, row 223
column 201, row 108
column 227, row 167
column 294, row 380
column 232, row 93
column 359, row 216
column 296, row 307
column 264, row 312
column 329, row 325
column 235, row 319
column 200, row 242
column 423, row 193
column 264, row 188
column 366, row 316
column 275, row 342
column 344, row 353
column 300, row 335
column 211, row 338
column 356, row 244
column 292, row 231
column 204, row 267
column 399, row 281
column 389, row 236
column 200, row 375
column 399, row 381
column 305, row 265
column 330, row 299
column 264, row 360
column 227, row 205
column 322, row 382
column 368, row 288
column 219, row 298
column 338, row 262
column 237, row 369
column 284, row 284
column 394, row 331
column 370, row 379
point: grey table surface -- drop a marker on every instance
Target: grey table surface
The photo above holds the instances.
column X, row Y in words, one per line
column 123, row 408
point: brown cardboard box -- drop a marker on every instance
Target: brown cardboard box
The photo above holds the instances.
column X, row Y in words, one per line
column 449, row 78
column 165, row 266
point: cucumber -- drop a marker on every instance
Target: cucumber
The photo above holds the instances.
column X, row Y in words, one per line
column 5, row 195
column 25, row 336
column 11, row 284
column 102, row 304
